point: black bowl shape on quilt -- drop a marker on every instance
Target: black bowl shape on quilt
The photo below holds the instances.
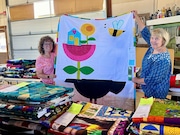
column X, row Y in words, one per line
column 93, row 89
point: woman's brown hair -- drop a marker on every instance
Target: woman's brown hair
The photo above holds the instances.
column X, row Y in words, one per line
column 41, row 42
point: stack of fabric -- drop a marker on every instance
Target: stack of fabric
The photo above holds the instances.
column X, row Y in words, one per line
column 175, row 81
column 156, row 117
column 19, row 68
column 30, row 73
column 33, row 105
column 21, row 63
column 84, row 118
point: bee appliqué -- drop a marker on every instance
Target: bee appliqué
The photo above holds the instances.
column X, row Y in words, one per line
column 116, row 31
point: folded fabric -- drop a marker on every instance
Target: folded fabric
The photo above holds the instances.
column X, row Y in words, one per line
column 42, row 122
column 21, row 63
column 41, row 125
column 153, row 129
column 20, row 68
column 174, row 82
column 94, row 119
column 33, row 91
column 91, row 110
column 163, row 111
column 85, row 126
column 33, row 111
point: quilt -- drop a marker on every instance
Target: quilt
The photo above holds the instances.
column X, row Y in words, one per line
column 93, row 119
column 33, row 111
column 152, row 129
column 96, row 49
column 163, row 111
column 96, row 111
column 40, row 125
column 34, row 92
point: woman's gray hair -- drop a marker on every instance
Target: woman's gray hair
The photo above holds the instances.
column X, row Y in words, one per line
column 160, row 32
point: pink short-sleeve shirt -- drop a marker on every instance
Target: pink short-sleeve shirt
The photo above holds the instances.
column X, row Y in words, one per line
column 47, row 66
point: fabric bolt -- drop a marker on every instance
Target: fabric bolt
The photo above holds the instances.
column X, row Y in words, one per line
column 155, row 68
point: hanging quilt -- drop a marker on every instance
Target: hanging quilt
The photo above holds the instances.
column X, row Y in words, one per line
column 97, row 49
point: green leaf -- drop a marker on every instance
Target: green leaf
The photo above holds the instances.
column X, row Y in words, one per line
column 83, row 41
column 92, row 39
column 70, row 69
column 86, row 70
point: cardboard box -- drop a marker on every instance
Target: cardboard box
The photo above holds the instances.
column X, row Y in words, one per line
column 21, row 12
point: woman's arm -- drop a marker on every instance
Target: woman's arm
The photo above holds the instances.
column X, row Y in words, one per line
column 138, row 80
column 40, row 74
column 39, row 70
column 144, row 30
column 139, row 22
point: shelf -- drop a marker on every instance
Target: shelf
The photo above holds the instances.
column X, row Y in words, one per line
column 167, row 20
column 32, row 33
column 25, row 49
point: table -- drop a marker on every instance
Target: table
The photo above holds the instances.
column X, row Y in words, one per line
column 17, row 80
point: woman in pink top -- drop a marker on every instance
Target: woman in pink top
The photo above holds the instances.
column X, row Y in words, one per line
column 45, row 62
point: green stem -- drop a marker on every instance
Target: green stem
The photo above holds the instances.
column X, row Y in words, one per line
column 87, row 39
column 78, row 71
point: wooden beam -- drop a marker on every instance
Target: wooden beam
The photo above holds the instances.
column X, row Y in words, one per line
column 109, row 8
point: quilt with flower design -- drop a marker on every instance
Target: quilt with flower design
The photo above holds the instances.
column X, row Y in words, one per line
column 97, row 49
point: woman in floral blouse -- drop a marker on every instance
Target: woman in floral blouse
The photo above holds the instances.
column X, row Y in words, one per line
column 156, row 64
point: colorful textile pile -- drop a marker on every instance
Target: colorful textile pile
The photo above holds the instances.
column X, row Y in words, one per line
column 21, row 63
column 92, row 119
column 152, row 129
column 33, row 103
column 162, row 119
column 175, row 81
column 30, row 73
column 20, row 68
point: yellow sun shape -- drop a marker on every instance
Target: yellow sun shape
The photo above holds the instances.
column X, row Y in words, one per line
column 87, row 29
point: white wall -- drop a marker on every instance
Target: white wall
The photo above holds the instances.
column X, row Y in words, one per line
column 25, row 34
column 142, row 6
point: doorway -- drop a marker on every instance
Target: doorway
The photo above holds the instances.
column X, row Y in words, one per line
column 3, row 45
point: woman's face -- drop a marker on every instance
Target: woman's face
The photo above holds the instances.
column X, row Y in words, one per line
column 48, row 46
column 156, row 41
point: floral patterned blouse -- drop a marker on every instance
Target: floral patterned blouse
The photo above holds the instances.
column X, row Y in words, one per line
column 156, row 70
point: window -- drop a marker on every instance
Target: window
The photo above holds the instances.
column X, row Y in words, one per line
column 3, row 42
column 43, row 8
